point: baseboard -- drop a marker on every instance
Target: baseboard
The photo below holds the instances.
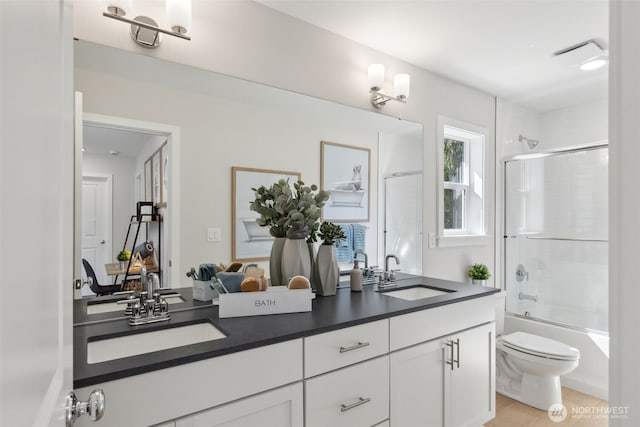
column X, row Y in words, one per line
column 586, row 388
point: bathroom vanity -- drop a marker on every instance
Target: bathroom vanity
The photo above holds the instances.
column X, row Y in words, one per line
column 423, row 356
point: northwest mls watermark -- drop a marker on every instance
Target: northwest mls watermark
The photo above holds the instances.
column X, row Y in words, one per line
column 558, row 412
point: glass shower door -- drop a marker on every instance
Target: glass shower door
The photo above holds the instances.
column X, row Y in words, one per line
column 556, row 238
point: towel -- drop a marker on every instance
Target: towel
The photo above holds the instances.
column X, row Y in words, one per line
column 207, row 271
column 359, row 236
column 344, row 248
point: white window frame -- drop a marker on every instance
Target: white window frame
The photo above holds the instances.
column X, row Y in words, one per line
column 474, row 220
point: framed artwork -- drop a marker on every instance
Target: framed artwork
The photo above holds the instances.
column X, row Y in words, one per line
column 250, row 242
column 164, row 167
column 156, row 171
column 345, row 174
column 148, row 188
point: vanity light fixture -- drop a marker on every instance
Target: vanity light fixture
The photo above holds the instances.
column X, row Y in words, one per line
column 145, row 30
column 401, row 83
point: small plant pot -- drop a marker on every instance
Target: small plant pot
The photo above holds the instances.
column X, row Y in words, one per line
column 481, row 282
column 123, row 265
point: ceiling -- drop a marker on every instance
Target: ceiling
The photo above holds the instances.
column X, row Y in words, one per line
column 501, row 47
column 102, row 140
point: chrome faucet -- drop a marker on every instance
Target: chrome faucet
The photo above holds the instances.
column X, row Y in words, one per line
column 386, row 262
column 366, row 258
column 148, row 306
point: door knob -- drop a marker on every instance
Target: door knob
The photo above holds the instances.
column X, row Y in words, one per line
column 102, row 242
column 94, row 407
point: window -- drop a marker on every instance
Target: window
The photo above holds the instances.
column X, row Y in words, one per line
column 461, row 183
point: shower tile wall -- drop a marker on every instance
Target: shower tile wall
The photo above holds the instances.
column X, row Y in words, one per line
column 556, row 215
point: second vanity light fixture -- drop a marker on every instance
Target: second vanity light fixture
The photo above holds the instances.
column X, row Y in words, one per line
column 401, row 84
column 145, row 30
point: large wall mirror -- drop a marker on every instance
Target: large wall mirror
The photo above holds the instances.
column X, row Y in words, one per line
column 220, row 122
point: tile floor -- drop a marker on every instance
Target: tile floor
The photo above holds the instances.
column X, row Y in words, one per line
column 511, row 413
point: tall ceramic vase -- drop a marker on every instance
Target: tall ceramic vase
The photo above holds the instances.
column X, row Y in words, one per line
column 275, row 261
column 295, row 259
column 326, row 270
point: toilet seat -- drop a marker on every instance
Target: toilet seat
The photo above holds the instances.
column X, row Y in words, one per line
column 539, row 346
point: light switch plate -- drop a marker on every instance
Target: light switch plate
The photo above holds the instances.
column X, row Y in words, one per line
column 432, row 240
column 213, row 234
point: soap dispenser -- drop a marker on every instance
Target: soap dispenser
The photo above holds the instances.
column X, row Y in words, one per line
column 356, row 277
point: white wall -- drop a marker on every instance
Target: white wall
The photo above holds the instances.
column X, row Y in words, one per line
column 624, row 210
column 275, row 49
column 123, row 205
column 579, row 125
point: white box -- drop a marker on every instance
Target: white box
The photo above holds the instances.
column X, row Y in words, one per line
column 275, row 300
column 202, row 290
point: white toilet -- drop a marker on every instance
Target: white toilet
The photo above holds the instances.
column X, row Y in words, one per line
column 529, row 366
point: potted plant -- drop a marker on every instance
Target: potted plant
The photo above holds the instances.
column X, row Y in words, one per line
column 303, row 211
column 326, row 268
column 123, row 256
column 272, row 204
column 479, row 274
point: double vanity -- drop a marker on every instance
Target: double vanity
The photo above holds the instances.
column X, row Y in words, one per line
column 421, row 353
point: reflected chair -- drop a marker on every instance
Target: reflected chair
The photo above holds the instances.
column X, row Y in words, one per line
column 94, row 285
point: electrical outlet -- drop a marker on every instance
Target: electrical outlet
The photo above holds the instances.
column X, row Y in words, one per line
column 213, row 234
column 433, row 241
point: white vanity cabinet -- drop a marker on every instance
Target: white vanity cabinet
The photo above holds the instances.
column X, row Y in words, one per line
column 442, row 370
column 276, row 408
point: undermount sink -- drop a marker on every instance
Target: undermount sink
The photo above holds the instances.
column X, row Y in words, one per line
column 97, row 307
column 103, row 350
column 416, row 292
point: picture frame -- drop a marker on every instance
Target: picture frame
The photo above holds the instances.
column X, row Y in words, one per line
column 345, row 173
column 156, row 171
column 148, row 188
column 249, row 241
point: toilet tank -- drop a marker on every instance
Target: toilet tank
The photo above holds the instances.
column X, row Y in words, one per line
column 500, row 306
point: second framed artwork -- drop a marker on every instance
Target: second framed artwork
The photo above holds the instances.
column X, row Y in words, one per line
column 344, row 173
column 251, row 242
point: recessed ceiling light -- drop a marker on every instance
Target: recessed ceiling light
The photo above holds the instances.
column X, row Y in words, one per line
column 114, row 152
column 594, row 64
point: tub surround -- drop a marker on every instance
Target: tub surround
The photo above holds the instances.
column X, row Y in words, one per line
column 328, row 314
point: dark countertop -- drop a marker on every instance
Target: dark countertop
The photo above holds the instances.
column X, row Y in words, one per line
column 344, row 309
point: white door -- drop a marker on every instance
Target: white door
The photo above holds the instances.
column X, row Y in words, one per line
column 36, row 211
column 96, row 223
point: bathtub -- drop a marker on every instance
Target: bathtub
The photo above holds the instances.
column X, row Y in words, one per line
column 592, row 374
column 254, row 231
column 351, row 198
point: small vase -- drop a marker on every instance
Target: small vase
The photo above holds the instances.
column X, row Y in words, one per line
column 295, row 259
column 123, row 265
column 275, row 261
column 326, row 270
column 312, row 258
column 481, row 282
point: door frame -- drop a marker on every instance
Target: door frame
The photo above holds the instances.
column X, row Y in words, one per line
column 172, row 216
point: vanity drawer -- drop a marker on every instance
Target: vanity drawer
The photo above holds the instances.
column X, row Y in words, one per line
column 413, row 328
column 337, row 349
column 350, row 397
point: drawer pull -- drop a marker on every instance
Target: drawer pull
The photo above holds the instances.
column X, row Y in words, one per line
column 361, row 401
column 354, row 347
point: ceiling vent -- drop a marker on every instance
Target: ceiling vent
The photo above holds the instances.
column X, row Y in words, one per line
column 581, row 52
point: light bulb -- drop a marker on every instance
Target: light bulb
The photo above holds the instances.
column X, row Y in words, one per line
column 376, row 76
column 179, row 15
column 401, row 83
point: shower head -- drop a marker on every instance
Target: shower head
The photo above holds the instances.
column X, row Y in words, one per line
column 532, row 143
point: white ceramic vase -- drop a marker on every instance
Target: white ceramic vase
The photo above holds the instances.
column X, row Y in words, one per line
column 326, row 270
column 275, row 261
column 295, row 259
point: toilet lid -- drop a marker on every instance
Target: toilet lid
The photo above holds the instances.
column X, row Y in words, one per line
column 534, row 344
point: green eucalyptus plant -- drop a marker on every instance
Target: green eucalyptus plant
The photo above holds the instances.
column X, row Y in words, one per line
column 331, row 233
column 478, row 272
column 273, row 205
column 289, row 213
column 304, row 210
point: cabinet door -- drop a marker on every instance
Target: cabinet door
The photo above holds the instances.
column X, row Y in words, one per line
column 472, row 381
column 417, row 386
column 277, row 408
